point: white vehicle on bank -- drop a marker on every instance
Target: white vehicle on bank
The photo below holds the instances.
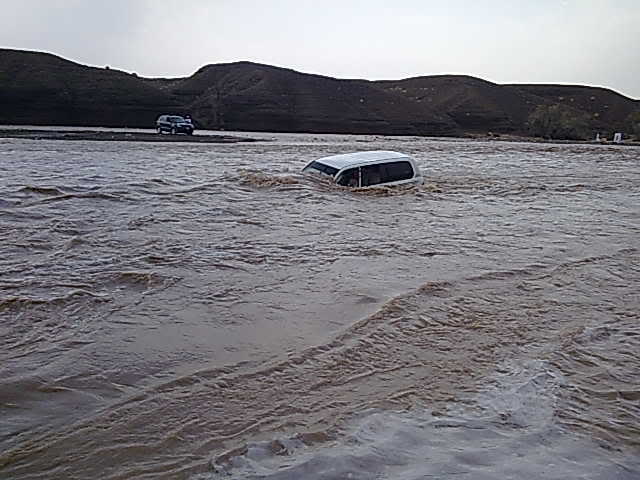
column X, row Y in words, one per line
column 367, row 169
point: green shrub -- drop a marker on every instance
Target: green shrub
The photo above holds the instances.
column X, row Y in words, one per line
column 633, row 124
column 558, row 122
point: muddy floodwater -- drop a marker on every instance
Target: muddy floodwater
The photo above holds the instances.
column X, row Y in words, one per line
column 192, row 311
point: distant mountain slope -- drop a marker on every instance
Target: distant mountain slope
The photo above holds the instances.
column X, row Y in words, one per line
column 474, row 104
column 40, row 88
column 608, row 110
column 260, row 97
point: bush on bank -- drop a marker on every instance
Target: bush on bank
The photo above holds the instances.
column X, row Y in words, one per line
column 559, row 123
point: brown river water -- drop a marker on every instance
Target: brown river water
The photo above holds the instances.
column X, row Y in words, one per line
column 203, row 311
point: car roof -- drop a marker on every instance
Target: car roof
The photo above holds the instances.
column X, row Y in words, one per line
column 357, row 158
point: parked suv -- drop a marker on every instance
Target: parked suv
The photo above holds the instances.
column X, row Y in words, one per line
column 174, row 124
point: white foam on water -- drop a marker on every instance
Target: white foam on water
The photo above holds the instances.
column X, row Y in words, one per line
column 508, row 432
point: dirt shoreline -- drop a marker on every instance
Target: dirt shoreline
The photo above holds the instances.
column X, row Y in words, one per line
column 90, row 135
column 519, row 138
column 124, row 136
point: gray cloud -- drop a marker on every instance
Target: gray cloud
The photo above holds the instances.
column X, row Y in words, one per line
column 573, row 41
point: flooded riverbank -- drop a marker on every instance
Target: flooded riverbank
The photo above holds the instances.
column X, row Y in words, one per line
column 116, row 135
column 203, row 311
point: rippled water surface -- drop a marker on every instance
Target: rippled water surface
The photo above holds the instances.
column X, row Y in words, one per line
column 202, row 311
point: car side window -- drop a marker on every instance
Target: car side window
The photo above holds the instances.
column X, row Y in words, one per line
column 396, row 171
column 371, row 175
column 349, row 178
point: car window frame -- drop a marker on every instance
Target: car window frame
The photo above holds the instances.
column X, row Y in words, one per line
column 388, row 166
column 364, row 174
column 385, row 179
column 342, row 173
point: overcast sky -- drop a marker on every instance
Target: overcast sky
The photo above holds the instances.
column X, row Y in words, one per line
column 591, row 42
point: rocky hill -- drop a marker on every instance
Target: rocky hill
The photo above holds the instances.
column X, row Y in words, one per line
column 43, row 89
column 607, row 110
column 475, row 105
column 258, row 97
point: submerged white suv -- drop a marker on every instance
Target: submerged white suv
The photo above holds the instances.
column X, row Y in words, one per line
column 368, row 169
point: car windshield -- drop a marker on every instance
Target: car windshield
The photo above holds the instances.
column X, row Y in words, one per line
column 176, row 119
column 320, row 167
